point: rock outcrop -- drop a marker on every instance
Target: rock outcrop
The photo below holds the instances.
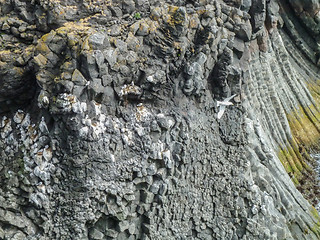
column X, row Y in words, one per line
column 109, row 123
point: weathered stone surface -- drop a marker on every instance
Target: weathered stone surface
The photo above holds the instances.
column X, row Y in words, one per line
column 109, row 124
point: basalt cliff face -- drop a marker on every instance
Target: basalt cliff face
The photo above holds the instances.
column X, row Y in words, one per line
column 109, row 124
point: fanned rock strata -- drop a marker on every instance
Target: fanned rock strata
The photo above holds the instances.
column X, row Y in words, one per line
column 109, row 127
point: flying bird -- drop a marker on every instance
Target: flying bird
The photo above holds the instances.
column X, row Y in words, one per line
column 223, row 104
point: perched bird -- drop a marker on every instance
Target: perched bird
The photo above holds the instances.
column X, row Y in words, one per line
column 18, row 117
column 223, row 104
column 47, row 153
column 41, row 187
column 43, row 126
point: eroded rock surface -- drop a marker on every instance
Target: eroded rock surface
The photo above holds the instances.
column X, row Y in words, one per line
column 109, row 127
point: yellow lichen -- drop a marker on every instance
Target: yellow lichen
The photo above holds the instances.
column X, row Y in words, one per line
column 5, row 55
column 194, row 22
column 201, row 11
column 155, row 13
column 73, row 27
column 40, row 60
column 153, row 26
column 85, row 45
column 175, row 17
column 42, row 48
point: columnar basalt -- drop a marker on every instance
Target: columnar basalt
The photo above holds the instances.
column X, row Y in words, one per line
column 109, row 123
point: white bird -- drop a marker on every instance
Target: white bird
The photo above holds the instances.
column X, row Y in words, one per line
column 223, row 104
column 18, row 117
column 47, row 153
column 43, row 126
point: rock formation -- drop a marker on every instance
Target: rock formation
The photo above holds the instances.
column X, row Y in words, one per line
column 109, row 126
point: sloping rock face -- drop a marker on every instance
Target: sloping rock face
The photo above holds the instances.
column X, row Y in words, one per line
column 109, row 124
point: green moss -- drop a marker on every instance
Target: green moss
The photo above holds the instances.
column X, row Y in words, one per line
column 294, row 163
column 305, row 129
column 305, row 126
column 316, row 227
column 304, row 122
column 137, row 16
column 289, row 161
column 315, row 214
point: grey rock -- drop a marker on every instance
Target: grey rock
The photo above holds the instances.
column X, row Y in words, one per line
column 147, row 197
column 121, row 45
column 78, row 90
column 2, row 233
column 111, row 56
column 132, row 228
column 96, row 86
column 115, row 30
column 238, row 47
column 194, row 84
column 78, row 78
column 128, row 6
column 244, row 31
column 116, row 11
column 18, row 236
column 246, row 4
column 97, row 40
column 99, row 57
column 96, row 234
column 143, row 29
column 152, row 169
column 124, row 225
column 111, row 233
column 89, row 64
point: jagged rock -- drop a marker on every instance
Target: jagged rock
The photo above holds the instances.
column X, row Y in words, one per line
column 97, row 40
column 96, row 234
column 238, row 47
column 244, row 31
column 128, row 6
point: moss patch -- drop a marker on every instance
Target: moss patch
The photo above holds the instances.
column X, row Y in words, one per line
column 291, row 163
column 305, row 126
column 294, row 156
column 304, row 123
column 316, row 227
